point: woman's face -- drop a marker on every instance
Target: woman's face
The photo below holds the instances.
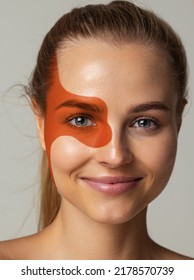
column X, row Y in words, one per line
column 110, row 128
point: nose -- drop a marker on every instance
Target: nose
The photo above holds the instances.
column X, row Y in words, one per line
column 116, row 153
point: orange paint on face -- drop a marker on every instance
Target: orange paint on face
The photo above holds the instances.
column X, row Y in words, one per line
column 62, row 106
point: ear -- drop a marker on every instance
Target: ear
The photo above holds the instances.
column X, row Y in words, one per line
column 179, row 122
column 39, row 118
column 180, row 113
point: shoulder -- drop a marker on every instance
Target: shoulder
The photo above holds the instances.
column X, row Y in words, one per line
column 170, row 255
column 19, row 249
column 162, row 253
column 3, row 255
column 6, row 250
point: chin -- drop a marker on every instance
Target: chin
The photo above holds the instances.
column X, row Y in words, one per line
column 114, row 215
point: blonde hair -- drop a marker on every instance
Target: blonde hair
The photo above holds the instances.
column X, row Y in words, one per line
column 50, row 199
column 116, row 22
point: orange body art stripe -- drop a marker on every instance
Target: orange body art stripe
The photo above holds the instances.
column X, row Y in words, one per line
column 62, row 105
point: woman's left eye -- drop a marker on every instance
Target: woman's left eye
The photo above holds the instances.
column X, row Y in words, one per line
column 81, row 121
column 145, row 123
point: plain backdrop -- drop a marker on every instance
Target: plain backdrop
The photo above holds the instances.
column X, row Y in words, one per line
column 23, row 24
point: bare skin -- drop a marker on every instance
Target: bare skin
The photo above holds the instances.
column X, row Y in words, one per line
column 109, row 245
column 93, row 224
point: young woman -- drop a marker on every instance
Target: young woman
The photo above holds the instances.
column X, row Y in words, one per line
column 108, row 93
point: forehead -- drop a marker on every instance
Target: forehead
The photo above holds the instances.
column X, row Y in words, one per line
column 92, row 66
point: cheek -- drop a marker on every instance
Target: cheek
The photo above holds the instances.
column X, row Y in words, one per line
column 67, row 155
column 158, row 157
column 164, row 154
column 95, row 136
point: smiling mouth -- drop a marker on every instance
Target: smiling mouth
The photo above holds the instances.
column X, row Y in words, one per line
column 112, row 185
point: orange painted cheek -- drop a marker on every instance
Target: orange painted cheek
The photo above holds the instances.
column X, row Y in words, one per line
column 62, row 106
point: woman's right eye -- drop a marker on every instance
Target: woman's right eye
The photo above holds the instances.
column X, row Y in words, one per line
column 81, row 121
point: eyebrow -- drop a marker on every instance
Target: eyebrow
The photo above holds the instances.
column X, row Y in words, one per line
column 154, row 105
column 81, row 105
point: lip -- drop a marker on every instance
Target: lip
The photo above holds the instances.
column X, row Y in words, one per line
column 112, row 185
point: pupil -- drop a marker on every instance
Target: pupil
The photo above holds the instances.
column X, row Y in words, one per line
column 144, row 123
column 80, row 120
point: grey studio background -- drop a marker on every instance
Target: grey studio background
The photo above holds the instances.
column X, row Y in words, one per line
column 23, row 24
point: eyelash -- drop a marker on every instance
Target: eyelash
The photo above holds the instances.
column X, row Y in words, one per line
column 72, row 117
column 154, row 126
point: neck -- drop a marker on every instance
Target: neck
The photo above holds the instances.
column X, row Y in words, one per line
column 76, row 236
